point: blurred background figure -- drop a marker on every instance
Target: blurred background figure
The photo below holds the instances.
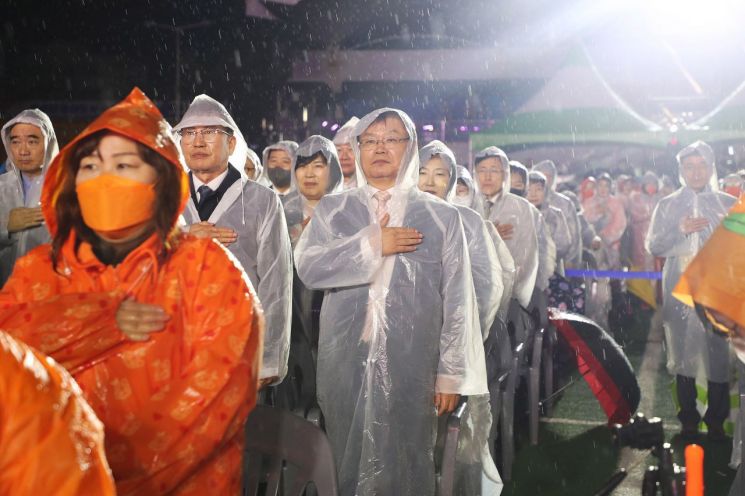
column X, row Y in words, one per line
column 346, row 154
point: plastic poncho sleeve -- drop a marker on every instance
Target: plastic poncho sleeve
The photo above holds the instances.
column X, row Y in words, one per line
column 50, row 437
column 487, row 276
column 546, row 251
column 664, row 236
column 459, row 314
column 274, row 271
column 319, row 253
column 562, row 236
column 508, row 268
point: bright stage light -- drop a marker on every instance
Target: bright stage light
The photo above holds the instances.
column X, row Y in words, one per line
column 684, row 17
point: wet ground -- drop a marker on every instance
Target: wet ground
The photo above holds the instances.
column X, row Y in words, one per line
column 576, row 454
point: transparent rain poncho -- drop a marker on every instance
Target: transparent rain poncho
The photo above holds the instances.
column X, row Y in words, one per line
column 485, row 267
column 285, row 145
column 394, row 330
column 641, row 206
column 687, row 340
column 474, row 202
column 263, row 248
column 17, row 244
column 296, row 206
column 473, row 447
column 563, row 203
column 343, row 136
column 546, row 250
column 512, row 209
column 608, row 215
column 259, row 175
column 556, row 223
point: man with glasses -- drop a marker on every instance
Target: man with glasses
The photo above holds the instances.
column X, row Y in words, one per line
column 399, row 337
column 243, row 215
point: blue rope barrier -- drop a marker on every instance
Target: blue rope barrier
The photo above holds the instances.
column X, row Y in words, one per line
column 614, row 274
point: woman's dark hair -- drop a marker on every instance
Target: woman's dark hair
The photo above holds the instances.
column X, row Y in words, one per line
column 67, row 208
column 302, row 161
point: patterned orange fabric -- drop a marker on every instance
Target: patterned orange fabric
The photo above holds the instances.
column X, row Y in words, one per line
column 51, row 440
column 715, row 278
column 173, row 407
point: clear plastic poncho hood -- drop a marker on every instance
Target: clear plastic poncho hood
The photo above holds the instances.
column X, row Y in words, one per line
column 493, row 151
column 344, row 134
column 548, row 168
column 408, row 173
column 438, row 148
column 707, row 152
column 206, row 111
column 310, row 147
column 37, row 118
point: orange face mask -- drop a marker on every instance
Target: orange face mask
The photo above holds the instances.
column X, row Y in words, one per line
column 111, row 203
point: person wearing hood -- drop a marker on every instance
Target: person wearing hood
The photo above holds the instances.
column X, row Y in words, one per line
column 346, row 154
column 30, row 144
column 316, row 172
column 558, row 200
column 243, row 215
column 590, row 240
column 681, row 224
column 278, row 159
column 438, row 177
column 467, row 195
column 714, row 285
column 513, row 217
column 518, row 179
column 400, row 340
column 253, row 167
column 606, row 212
column 641, row 206
column 558, row 229
column 46, row 419
column 162, row 331
column 587, row 189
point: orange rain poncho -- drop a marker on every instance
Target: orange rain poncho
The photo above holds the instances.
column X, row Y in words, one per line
column 173, row 407
column 716, row 277
column 51, row 439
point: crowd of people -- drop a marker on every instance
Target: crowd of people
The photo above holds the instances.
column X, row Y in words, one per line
column 179, row 278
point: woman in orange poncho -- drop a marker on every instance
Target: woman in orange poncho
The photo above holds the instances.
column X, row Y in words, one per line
column 161, row 331
column 51, row 440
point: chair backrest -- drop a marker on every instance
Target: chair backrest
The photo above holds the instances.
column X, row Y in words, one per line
column 276, row 437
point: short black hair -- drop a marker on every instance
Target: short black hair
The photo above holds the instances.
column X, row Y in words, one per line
column 302, row 161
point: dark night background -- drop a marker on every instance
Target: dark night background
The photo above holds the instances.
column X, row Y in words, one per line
column 74, row 58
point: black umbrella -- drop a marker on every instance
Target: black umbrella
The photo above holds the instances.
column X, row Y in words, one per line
column 602, row 363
